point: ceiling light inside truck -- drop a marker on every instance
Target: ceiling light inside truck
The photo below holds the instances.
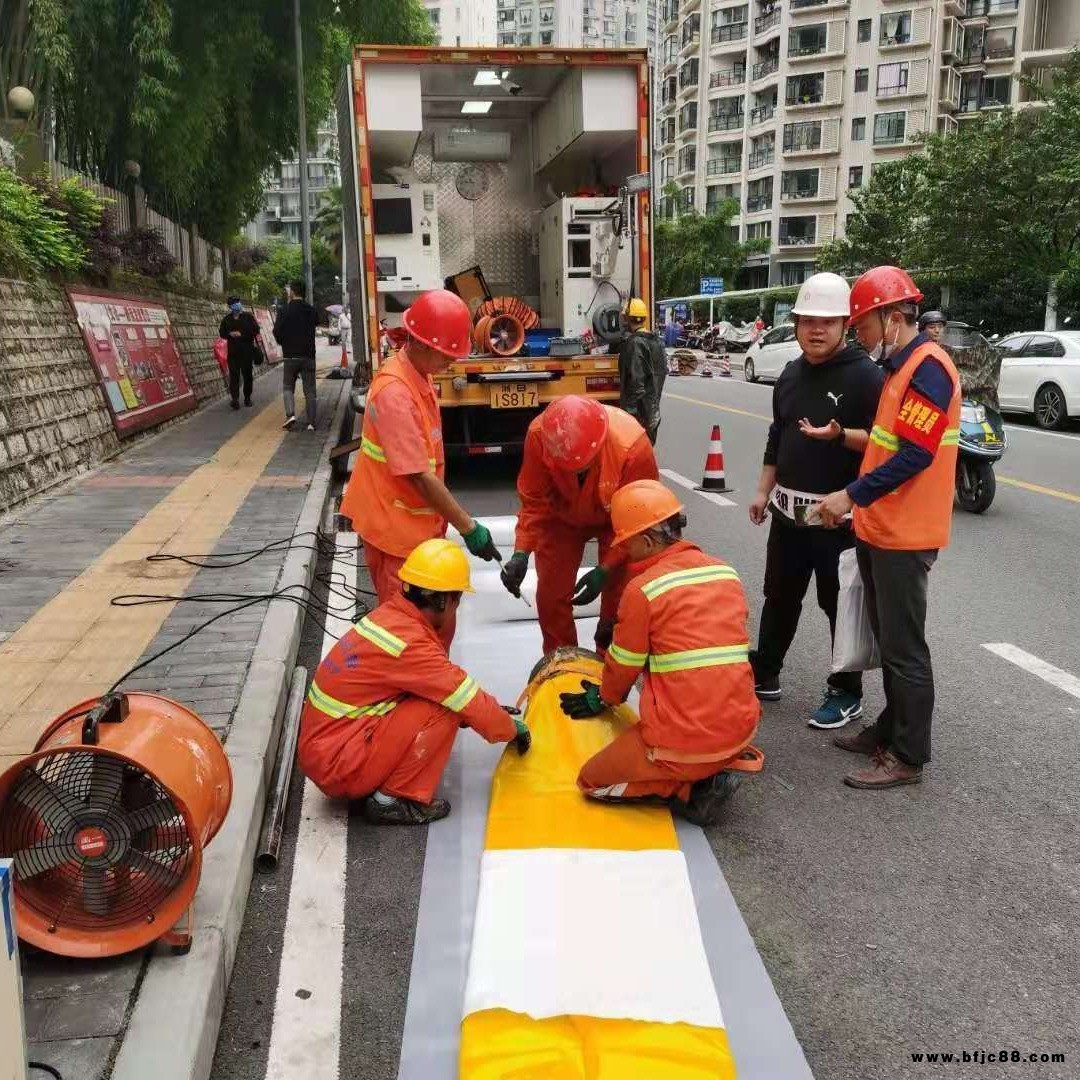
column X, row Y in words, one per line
column 486, row 78
column 475, row 108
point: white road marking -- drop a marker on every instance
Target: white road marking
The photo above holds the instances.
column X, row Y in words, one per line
column 306, row 1036
column 1039, row 431
column 1032, row 664
column 712, row 496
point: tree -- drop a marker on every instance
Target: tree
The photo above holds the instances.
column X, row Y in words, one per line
column 327, row 224
column 269, row 267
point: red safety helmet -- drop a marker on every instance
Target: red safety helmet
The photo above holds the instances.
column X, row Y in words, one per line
column 573, row 429
column 880, row 287
column 441, row 320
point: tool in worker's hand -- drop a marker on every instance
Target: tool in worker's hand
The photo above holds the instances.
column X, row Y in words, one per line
column 480, row 543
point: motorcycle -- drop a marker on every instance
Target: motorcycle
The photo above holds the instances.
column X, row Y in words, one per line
column 983, row 441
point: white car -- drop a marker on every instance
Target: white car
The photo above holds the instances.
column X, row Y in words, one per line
column 1040, row 375
column 769, row 355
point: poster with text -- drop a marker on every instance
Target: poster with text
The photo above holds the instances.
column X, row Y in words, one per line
column 134, row 353
column 266, row 325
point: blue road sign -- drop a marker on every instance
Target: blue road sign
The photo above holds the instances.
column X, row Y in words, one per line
column 712, row 286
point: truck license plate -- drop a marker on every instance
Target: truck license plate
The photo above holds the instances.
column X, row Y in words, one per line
column 514, row 396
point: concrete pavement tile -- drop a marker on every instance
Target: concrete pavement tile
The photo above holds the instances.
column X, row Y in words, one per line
column 88, row 1016
column 46, row 976
column 79, row 1059
column 36, row 1017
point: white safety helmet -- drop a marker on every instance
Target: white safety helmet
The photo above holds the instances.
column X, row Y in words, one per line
column 824, row 295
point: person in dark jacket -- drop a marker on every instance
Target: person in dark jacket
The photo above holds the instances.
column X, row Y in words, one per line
column 823, row 408
column 294, row 331
column 241, row 331
column 642, row 370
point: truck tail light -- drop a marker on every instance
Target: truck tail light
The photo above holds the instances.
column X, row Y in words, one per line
column 597, row 383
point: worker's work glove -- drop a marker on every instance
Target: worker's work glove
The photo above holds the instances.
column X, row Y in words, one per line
column 514, row 571
column 590, row 586
column 583, row 706
column 480, row 544
column 523, row 739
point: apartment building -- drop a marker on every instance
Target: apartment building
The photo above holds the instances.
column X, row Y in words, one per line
column 789, row 105
column 606, row 24
column 463, row 22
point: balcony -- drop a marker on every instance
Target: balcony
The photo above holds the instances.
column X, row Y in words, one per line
column 802, row 140
column 765, row 68
column 805, row 99
column 688, row 126
column 756, row 203
column 734, row 76
column 689, row 46
column 670, row 14
column 996, row 54
column 725, row 35
column 987, row 9
column 686, row 168
column 726, row 122
column 801, row 233
column 761, row 158
column 723, row 166
column 762, row 114
column 766, row 22
column 804, row 5
column 795, row 192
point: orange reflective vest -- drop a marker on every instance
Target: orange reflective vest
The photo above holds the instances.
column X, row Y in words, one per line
column 682, row 621
column 917, row 516
column 386, row 510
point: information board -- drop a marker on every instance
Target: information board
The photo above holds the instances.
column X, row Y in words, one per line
column 266, row 325
column 712, row 286
column 134, row 354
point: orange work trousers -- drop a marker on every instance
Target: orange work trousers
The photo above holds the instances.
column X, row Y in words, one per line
column 383, row 569
column 558, row 557
column 404, row 754
column 622, row 770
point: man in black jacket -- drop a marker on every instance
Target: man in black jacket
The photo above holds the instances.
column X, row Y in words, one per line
column 241, row 331
column 642, row 370
column 823, row 408
column 294, row 331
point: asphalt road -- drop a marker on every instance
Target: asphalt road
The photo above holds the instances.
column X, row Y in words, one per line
column 933, row 918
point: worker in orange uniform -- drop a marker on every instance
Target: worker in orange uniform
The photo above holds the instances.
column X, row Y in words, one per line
column 386, row 703
column 682, row 620
column 578, row 453
column 902, row 508
column 397, row 496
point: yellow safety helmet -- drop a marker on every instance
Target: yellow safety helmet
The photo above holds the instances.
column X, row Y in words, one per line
column 636, row 309
column 438, row 565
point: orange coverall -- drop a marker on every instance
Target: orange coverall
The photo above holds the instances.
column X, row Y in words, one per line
column 384, row 708
column 562, row 511
column 683, row 620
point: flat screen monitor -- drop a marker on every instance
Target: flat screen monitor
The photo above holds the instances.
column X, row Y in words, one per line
column 393, row 217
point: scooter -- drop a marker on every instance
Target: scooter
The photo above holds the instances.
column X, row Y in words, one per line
column 983, row 441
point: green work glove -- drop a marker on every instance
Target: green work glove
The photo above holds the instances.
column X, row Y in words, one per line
column 481, row 545
column 583, row 706
column 514, row 571
column 590, row 586
column 523, row 739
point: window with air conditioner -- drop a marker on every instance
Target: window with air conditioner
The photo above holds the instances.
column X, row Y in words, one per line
column 892, row 79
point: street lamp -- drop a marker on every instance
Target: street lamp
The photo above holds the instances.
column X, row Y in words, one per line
column 305, row 215
column 20, row 101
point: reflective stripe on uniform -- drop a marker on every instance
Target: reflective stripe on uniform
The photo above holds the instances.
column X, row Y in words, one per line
column 461, row 697
column 372, row 450
column 625, row 657
column 884, row 439
column 695, row 576
column 951, row 437
column 379, row 637
column 341, row 710
column 414, row 510
column 665, row 663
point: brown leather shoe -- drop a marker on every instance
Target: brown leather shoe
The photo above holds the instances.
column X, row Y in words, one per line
column 866, row 741
column 885, row 771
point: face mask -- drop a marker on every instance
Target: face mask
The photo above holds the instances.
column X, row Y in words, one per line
column 882, row 351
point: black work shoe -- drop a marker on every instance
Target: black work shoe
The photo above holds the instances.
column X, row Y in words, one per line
column 867, row 741
column 706, row 798
column 234, row 404
column 767, row 688
column 248, row 402
column 404, row 811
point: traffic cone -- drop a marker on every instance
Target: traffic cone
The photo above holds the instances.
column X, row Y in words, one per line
column 713, row 480
column 706, row 368
column 725, row 366
column 344, row 356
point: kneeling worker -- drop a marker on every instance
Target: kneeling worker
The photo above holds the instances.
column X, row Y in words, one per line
column 683, row 620
column 386, row 703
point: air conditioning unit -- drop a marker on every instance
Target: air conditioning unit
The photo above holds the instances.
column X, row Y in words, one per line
column 468, row 144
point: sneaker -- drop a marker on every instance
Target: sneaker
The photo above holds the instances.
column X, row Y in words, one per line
column 768, row 688
column 867, row 741
column 234, row 404
column 404, row 811
column 290, row 423
column 838, row 708
column 310, row 427
column 706, row 798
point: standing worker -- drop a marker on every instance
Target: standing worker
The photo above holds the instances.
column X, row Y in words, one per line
column 294, row 331
column 578, row 453
column 902, row 504
column 241, row 332
column 682, row 620
column 830, row 393
column 397, row 497
column 642, row 370
column 386, row 703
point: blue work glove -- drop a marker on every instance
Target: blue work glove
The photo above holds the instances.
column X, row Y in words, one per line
column 514, row 571
column 590, row 586
column 480, row 544
column 583, row 706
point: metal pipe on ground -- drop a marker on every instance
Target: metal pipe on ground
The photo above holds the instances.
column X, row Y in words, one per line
column 266, row 855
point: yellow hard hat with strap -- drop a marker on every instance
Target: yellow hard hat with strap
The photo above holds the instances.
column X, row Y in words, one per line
column 438, row 565
column 636, row 309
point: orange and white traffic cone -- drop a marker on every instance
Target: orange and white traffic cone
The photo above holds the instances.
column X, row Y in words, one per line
column 725, row 366
column 713, row 480
column 706, row 368
column 344, row 356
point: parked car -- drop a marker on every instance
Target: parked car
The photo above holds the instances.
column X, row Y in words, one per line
column 1040, row 375
column 770, row 354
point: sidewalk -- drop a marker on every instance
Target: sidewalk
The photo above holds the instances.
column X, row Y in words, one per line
column 222, row 481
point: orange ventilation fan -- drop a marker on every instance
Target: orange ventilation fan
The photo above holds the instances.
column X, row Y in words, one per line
column 510, row 305
column 501, row 335
column 106, row 822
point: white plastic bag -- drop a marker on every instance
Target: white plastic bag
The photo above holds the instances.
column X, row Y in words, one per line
column 854, row 646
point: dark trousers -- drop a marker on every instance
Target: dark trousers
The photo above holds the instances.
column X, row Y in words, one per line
column 304, row 367
column 896, row 584
column 793, row 555
column 240, row 366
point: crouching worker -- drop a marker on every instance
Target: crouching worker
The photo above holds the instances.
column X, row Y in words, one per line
column 386, row 703
column 682, row 620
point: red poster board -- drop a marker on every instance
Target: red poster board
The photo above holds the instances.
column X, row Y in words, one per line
column 133, row 351
column 266, row 325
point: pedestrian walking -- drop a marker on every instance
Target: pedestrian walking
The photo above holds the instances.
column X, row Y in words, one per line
column 902, row 504
column 241, row 334
column 642, row 370
column 823, row 406
column 294, row 331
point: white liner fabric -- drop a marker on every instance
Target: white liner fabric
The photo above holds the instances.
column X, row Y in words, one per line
column 573, row 931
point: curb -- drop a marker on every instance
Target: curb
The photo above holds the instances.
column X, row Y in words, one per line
column 173, row 1028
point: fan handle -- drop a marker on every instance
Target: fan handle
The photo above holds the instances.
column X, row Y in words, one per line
column 111, row 709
